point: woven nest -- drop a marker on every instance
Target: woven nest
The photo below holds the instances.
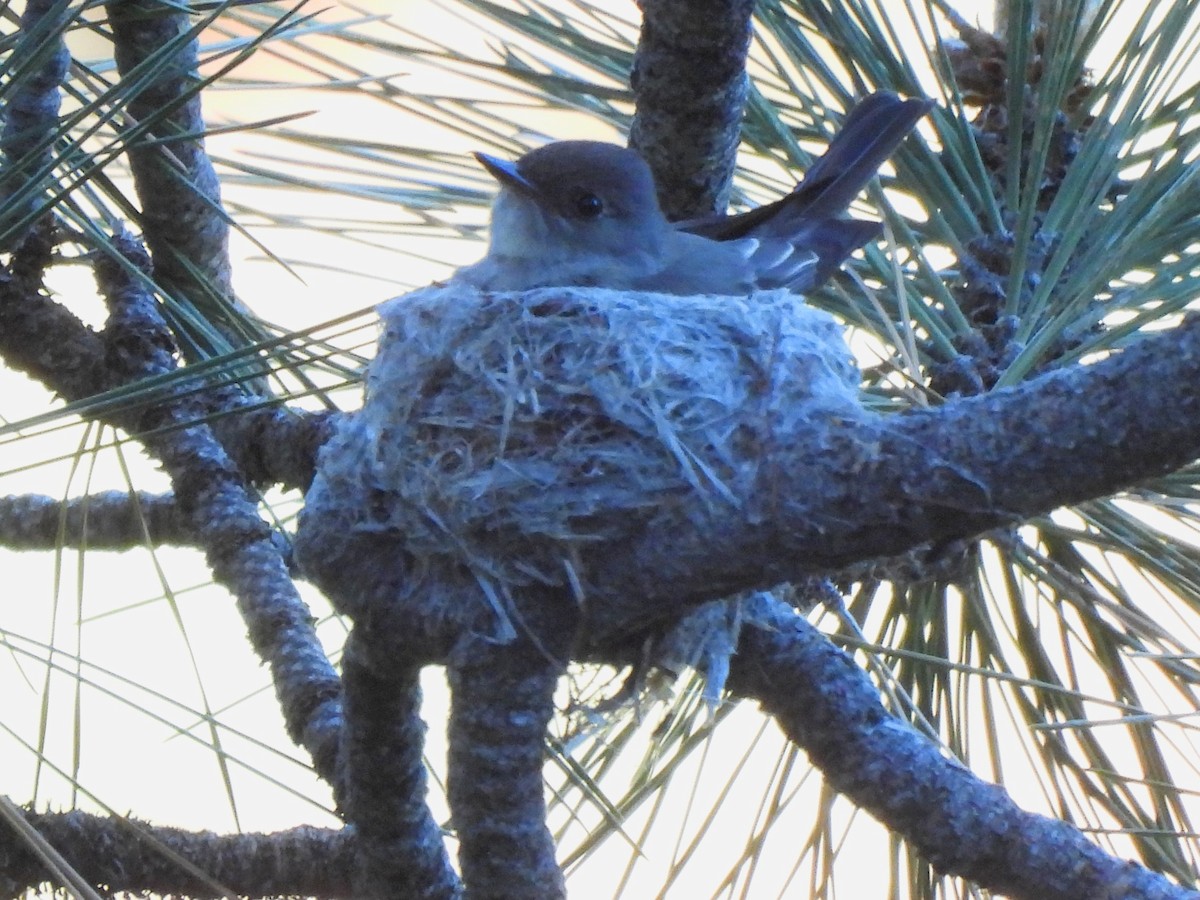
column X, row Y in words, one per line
column 504, row 437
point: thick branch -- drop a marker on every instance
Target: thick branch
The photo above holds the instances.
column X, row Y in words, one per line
column 42, row 338
column 689, row 78
column 885, row 485
column 384, row 785
column 31, row 116
column 176, row 184
column 126, row 855
column 238, row 544
column 271, row 443
column 502, row 699
column 962, row 825
column 113, row 520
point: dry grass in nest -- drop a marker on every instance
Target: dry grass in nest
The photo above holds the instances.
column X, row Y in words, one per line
column 506, row 436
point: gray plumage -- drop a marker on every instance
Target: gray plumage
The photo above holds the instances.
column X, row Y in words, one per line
column 586, row 213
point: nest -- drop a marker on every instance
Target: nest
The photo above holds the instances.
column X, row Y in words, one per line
column 506, row 436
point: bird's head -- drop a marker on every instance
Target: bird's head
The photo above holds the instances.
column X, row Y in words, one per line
column 573, row 198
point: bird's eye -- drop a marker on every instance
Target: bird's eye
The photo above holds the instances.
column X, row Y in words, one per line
column 587, row 205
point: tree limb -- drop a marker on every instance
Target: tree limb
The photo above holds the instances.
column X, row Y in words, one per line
column 124, row 854
column 961, row 824
column 30, row 118
column 502, row 700
column 271, row 443
column 112, row 520
column 689, row 79
column 383, row 784
column 238, row 544
column 181, row 216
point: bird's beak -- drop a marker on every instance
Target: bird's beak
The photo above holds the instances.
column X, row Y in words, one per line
column 506, row 173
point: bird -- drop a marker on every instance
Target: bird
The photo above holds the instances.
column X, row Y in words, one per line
column 586, row 213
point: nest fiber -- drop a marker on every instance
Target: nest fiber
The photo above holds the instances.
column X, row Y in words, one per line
column 505, row 436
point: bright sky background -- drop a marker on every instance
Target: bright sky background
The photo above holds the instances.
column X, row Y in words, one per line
column 112, row 608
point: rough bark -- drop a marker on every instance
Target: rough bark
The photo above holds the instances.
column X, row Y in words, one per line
column 124, row 854
column 383, row 784
column 113, row 520
column 502, row 699
column 689, row 79
column 239, row 546
column 184, row 225
column 961, row 824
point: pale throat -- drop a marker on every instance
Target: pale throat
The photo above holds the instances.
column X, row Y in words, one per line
column 520, row 230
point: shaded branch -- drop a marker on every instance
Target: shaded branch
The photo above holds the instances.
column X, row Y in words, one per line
column 238, row 544
column 42, row 338
column 271, row 443
column 128, row 855
column 112, row 520
column 689, row 80
column 383, row 783
column 961, row 824
column 181, row 217
column 31, row 116
column 501, row 703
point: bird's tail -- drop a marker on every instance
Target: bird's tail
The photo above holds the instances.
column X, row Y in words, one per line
column 869, row 135
column 810, row 220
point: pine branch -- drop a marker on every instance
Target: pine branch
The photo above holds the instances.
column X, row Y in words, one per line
column 124, row 854
column 689, row 79
column 238, row 544
column 113, row 520
column 31, row 115
column 40, row 337
column 882, row 486
column 502, row 701
column 271, row 443
column 181, row 215
column 383, row 783
column 962, row 825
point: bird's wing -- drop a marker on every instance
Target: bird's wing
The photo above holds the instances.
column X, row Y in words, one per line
column 778, row 263
column 699, row 265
